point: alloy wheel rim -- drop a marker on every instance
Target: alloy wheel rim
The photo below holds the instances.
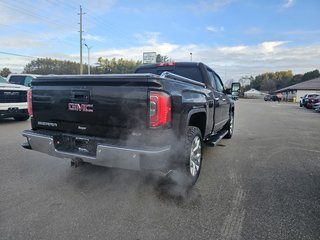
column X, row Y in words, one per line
column 195, row 156
column 231, row 124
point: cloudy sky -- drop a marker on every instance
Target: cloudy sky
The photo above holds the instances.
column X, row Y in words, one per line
column 234, row 37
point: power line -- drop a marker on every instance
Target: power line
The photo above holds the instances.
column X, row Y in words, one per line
column 18, row 55
column 34, row 35
column 97, row 21
column 33, row 14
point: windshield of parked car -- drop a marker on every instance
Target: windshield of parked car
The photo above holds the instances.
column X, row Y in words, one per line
column 2, row 80
column 17, row 80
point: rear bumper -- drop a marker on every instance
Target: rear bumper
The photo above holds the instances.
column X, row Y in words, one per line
column 7, row 106
column 13, row 112
column 106, row 155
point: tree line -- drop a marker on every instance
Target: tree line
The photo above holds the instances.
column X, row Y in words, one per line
column 45, row 66
column 271, row 81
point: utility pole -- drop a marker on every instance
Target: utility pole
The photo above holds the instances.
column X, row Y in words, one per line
column 88, row 57
column 191, row 57
column 81, row 66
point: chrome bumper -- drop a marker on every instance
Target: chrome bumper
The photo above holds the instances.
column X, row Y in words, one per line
column 106, row 155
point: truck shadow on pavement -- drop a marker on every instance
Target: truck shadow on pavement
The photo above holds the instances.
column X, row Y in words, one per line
column 91, row 179
column 9, row 121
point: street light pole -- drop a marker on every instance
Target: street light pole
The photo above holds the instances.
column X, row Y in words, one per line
column 88, row 57
column 81, row 13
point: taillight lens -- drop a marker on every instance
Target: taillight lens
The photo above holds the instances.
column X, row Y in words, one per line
column 29, row 97
column 166, row 64
column 160, row 109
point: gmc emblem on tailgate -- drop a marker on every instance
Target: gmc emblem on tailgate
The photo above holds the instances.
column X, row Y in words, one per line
column 80, row 107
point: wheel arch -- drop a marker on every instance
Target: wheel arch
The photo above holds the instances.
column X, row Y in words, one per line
column 198, row 118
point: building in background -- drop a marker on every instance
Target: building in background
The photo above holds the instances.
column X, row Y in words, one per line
column 254, row 93
column 300, row 89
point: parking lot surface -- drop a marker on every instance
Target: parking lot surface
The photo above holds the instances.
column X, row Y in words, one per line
column 264, row 183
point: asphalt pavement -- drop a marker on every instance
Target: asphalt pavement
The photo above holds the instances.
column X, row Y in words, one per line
column 264, row 183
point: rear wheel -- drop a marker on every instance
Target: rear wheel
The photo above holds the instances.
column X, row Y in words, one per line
column 191, row 160
column 21, row 118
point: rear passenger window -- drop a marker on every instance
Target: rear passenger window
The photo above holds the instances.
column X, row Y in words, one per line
column 218, row 83
column 212, row 79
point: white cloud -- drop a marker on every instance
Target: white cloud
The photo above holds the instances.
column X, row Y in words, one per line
column 151, row 38
column 288, row 3
column 19, row 41
column 136, row 52
column 269, row 47
column 214, row 29
column 237, row 61
column 233, row 50
column 233, row 61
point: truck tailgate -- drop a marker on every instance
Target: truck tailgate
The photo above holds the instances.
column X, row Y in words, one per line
column 101, row 106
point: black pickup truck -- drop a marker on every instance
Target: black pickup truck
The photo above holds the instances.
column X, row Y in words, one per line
column 154, row 119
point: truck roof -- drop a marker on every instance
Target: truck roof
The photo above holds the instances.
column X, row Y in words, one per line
column 179, row 64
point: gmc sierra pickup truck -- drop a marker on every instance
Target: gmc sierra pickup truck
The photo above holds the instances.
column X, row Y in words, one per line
column 154, row 119
column 13, row 101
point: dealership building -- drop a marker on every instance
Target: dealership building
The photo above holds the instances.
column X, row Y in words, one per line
column 300, row 89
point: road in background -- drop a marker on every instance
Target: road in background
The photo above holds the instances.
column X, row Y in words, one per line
column 264, row 183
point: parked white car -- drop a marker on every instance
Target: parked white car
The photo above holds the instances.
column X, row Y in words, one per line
column 21, row 79
column 13, row 101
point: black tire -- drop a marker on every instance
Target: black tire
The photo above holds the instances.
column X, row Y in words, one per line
column 301, row 104
column 21, row 118
column 230, row 126
column 187, row 174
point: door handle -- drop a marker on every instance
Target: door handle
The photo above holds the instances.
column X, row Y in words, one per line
column 80, row 96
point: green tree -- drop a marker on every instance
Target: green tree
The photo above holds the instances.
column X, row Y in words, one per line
column 256, row 83
column 310, row 75
column 268, row 85
column 296, row 79
column 117, row 65
column 46, row 66
column 161, row 58
column 244, row 89
column 271, row 81
column 5, row 72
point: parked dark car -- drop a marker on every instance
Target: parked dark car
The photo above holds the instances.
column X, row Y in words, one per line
column 267, row 98
column 305, row 99
column 316, row 106
column 271, row 98
column 311, row 100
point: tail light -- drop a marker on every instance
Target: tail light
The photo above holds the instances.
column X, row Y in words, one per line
column 160, row 109
column 29, row 97
column 166, row 64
